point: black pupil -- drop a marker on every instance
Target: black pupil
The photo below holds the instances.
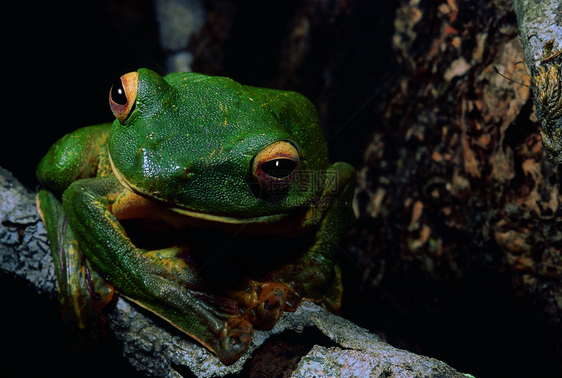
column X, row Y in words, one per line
column 118, row 93
column 279, row 168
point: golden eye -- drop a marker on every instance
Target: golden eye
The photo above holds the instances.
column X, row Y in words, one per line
column 123, row 95
column 275, row 165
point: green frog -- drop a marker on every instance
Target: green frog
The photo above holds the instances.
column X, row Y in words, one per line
column 209, row 203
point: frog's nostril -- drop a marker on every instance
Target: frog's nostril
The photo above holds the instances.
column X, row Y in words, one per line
column 187, row 173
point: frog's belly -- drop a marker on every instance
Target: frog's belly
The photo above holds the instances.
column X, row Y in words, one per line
column 221, row 254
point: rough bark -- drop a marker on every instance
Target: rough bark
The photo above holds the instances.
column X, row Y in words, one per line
column 456, row 185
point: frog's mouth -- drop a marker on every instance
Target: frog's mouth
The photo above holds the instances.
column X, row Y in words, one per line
column 278, row 225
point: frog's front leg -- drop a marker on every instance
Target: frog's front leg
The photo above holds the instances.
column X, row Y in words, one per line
column 93, row 207
column 315, row 274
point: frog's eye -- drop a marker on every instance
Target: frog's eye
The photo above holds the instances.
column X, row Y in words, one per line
column 274, row 167
column 122, row 96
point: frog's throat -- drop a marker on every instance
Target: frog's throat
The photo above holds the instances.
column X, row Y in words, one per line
column 196, row 214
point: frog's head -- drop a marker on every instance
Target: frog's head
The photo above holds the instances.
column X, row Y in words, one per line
column 210, row 148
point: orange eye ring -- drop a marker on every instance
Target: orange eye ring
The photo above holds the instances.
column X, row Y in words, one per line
column 274, row 167
column 123, row 95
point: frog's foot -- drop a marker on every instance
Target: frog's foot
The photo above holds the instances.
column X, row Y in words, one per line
column 230, row 347
column 268, row 304
column 292, row 299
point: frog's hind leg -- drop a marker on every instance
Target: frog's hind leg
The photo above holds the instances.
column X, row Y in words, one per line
column 164, row 286
column 209, row 316
column 82, row 293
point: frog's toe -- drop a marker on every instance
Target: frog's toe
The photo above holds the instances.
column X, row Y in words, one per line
column 293, row 301
column 271, row 303
column 232, row 345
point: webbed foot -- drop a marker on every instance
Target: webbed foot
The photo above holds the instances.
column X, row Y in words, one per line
column 268, row 305
column 234, row 342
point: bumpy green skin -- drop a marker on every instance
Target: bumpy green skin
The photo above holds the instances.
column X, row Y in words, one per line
column 189, row 144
